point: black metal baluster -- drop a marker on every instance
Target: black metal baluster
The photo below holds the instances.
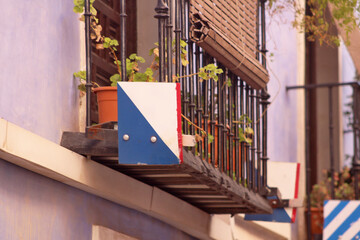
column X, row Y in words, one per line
column 169, row 29
column 88, row 84
column 258, row 147
column 177, row 51
column 199, row 108
column 184, row 31
column 162, row 16
column 177, row 38
column 257, row 30
column 213, row 122
column 247, row 145
column 263, row 34
column 122, row 39
column 192, row 104
column 190, row 57
column 356, row 134
column 183, row 69
column 222, row 80
column 220, row 125
column 252, row 146
column 265, row 96
column 231, row 128
column 307, row 160
column 206, row 59
column 331, row 144
column 264, row 102
column 238, row 163
column 243, row 161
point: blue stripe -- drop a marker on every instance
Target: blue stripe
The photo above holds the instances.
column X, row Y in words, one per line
column 335, row 212
column 278, row 215
column 357, row 236
column 346, row 224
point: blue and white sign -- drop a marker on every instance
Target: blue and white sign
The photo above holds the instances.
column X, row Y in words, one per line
column 284, row 176
column 341, row 220
column 149, row 123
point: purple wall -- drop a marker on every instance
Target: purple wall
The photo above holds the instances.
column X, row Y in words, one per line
column 283, row 67
column 35, row 207
column 39, row 52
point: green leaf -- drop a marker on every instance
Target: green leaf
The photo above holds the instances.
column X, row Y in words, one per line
column 80, row 74
column 93, row 11
column 149, row 73
column 183, row 44
column 210, row 138
column 118, row 62
column 78, row 9
column 184, row 62
column 114, row 42
column 82, row 87
column 114, row 79
column 140, row 77
column 151, row 52
column 249, row 131
column 242, row 135
column 228, row 82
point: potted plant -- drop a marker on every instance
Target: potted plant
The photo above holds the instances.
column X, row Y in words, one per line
column 343, row 188
column 107, row 95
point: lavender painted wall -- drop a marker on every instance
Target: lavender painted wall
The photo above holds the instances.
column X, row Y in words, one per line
column 283, row 69
column 347, row 75
column 40, row 49
column 35, row 207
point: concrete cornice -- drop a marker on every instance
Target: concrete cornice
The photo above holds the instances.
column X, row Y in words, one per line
column 44, row 157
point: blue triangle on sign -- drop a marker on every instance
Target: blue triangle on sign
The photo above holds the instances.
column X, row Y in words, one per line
column 278, row 215
column 139, row 149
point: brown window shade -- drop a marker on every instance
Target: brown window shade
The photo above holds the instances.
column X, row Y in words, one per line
column 226, row 29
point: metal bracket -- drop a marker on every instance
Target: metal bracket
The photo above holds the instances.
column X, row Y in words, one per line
column 277, row 202
column 283, row 203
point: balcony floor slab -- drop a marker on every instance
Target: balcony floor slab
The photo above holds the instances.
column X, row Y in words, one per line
column 219, row 193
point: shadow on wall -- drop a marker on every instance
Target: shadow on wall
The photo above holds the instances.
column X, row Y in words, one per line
column 36, row 207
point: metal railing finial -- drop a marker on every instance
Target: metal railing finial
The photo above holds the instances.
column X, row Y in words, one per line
column 162, row 14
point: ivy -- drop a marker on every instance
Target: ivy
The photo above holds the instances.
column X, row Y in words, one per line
column 210, row 71
column 315, row 24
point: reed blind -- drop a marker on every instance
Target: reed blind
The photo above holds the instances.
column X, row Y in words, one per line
column 226, row 29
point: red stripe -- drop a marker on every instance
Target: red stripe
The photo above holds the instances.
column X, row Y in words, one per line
column 296, row 190
column 179, row 121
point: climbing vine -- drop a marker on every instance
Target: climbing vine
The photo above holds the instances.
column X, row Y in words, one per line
column 316, row 23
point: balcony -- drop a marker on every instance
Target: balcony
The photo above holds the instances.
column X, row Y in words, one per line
column 226, row 170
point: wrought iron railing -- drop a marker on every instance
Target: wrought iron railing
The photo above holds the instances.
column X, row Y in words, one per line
column 224, row 109
column 231, row 112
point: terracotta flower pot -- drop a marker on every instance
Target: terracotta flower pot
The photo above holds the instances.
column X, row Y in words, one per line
column 317, row 220
column 107, row 103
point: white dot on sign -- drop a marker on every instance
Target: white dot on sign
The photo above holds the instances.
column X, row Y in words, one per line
column 126, row 137
column 153, row 139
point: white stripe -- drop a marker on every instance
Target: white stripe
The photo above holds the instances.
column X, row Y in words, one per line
column 329, row 207
column 352, row 231
column 338, row 220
